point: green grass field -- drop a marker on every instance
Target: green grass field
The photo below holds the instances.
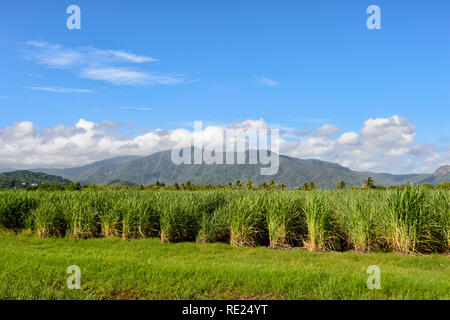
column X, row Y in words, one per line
column 111, row 268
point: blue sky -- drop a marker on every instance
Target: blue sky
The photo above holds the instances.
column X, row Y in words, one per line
column 296, row 64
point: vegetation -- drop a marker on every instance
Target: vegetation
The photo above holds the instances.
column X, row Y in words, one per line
column 411, row 220
column 292, row 171
column 22, row 179
column 35, row 268
column 341, row 185
column 369, row 183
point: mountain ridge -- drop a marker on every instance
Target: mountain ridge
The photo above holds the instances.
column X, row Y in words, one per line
column 292, row 171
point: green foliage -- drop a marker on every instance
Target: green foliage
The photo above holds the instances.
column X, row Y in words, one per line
column 407, row 219
column 246, row 212
column 319, row 221
column 50, row 217
column 369, row 183
column 15, row 209
column 358, row 214
column 179, row 220
column 22, row 179
column 285, row 219
column 412, row 224
column 341, row 185
column 444, row 186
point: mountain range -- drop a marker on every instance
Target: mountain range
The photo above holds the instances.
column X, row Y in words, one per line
column 292, row 171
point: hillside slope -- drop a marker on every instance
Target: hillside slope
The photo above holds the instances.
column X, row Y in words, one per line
column 292, row 171
column 24, row 178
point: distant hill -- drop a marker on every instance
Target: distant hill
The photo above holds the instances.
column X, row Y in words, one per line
column 24, row 178
column 442, row 174
column 292, row 171
column 83, row 173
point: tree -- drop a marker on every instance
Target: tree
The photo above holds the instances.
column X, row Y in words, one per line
column 341, row 185
column 73, row 186
column 249, row 185
column 188, row 186
column 238, row 184
column 312, row 185
column 282, row 186
column 369, row 183
column 305, row 186
column 272, row 185
column 444, row 186
column 263, row 186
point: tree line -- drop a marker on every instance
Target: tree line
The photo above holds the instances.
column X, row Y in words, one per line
column 369, row 183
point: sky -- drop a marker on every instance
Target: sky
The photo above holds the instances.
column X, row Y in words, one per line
column 139, row 73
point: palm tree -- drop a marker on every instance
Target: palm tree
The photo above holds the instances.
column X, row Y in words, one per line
column 306, row 186
column 282, row 186
column 263, row 186
column 272, row 185
column 369, row 183
column 249, row 185
column 312, row 185
column 238, row 184
column 341, row 185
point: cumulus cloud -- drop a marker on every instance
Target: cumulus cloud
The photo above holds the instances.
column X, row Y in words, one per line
column 383, row 144
column 348, row 138
column 327, row 129
column 111, row 66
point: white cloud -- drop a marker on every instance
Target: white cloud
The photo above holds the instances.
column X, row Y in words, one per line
column 267, row 81
column 115, row 76
column 24, row 145
column 130, row 56
column 61, row 90
column 327, row 129
column 394, row 131
column 348, row 138
column 55, row 55
column 382, row 145
column 111, row 66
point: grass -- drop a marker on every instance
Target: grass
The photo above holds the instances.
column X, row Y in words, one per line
column 285, row 220
column 319, row 221
column 246, row 214
column 35, row 268
column 413, row 225
column 358, row 216
column 410, row 220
